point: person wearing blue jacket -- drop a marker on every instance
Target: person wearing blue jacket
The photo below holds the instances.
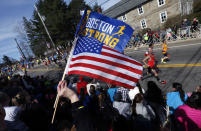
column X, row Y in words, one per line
column 176, row 98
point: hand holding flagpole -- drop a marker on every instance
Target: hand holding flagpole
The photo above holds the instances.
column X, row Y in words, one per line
column 65, row 71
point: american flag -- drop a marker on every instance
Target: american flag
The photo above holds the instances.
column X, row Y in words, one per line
column 91, row 58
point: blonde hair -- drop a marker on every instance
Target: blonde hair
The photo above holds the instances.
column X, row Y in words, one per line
column 20, row 99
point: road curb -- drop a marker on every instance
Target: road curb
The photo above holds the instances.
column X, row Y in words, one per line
column 172, row 42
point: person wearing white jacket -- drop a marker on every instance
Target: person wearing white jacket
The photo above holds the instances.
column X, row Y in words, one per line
column 142, row 113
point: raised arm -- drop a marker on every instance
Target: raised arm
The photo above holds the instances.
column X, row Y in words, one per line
column 66, row 92
column 145, row 59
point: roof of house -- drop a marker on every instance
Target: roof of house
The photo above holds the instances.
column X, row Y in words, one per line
column 122, row 7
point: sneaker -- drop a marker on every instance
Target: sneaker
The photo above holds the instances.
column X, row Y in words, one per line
column 162, row 60
column 163, row 82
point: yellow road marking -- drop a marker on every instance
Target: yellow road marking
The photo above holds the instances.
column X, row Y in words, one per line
column 32, row 70
column 181, row 65
column 160, row 66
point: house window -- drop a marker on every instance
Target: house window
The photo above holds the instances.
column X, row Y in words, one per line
column 143, row 24
column 161, row 2
column 140, row 10
column 163, row 16
column 124, row 18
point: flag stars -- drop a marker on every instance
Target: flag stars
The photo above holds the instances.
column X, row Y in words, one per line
column 89, row 45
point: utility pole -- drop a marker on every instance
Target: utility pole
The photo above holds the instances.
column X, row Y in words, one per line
column 19, row 48
column 45, row 28
column 24, row 48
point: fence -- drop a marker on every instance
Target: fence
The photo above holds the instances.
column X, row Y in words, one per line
column 183, row 34
column 188, row 32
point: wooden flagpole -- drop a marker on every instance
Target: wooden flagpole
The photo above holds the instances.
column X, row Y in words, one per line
column 66, row 69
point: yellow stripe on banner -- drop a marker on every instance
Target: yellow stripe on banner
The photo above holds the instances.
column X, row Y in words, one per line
column 180, row 65
column 80, row 107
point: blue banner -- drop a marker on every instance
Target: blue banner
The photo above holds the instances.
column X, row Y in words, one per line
column 82, row 23
column 112, row 32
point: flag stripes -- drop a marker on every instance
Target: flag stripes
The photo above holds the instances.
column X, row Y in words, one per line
column 110, row 66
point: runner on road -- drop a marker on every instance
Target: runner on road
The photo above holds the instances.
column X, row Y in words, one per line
column 149, row 62
column 164, row 51
column 150, row 51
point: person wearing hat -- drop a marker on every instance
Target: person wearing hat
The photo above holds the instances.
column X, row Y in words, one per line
column 139, row 105
column 142, row 113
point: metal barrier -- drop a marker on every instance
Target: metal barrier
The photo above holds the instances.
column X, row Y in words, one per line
column 185, row 33
column 188, row 33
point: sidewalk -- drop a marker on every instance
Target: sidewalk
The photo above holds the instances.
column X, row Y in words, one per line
column 171, row 42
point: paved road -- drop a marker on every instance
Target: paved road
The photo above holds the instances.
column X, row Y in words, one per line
column 184, row 67
column 52, row 72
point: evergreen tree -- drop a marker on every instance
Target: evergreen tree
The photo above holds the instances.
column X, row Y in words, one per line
column 75, row 7
column 61, row 21
column 97, row 8
column 35, row 37
column 7, row 60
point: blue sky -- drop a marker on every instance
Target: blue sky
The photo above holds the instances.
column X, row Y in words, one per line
column 11, row 13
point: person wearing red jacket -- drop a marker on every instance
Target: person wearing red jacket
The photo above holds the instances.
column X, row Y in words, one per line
column 81, row 84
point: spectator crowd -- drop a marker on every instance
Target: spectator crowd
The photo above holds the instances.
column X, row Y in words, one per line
column 85, row 104
column 186, row 30
column 26, row 104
